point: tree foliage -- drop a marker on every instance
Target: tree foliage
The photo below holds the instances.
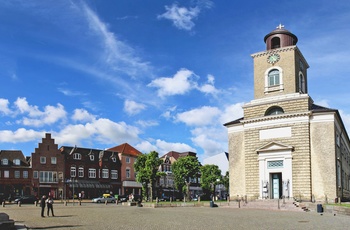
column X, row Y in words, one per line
column 146, row 168
column 183, row 169
column 210, row 176
column 226, row 180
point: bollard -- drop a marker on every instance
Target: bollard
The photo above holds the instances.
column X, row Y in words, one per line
column 278, row 203
column 19, row 203
column 3, row 204
column 65, row 203
column 36, row 203
column 106, row 202
column 80, row 202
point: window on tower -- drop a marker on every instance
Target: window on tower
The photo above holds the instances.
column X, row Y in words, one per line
column 274, row 110
column 275, row 43
column 274, row 77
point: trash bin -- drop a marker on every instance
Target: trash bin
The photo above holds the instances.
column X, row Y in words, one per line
column 211, row 204
column 319, row 208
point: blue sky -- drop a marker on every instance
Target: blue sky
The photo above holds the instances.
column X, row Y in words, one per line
column 159, row 75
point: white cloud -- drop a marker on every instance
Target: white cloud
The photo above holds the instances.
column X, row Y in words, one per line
column 180, row 83
column 4, row 106
column 181, row 17
column 205, row 115
column 231, row 113
column 82, row 115
column 118, row 55
column 50, row 115
column 168, row 113
column 148, row 123
column 103, row 131
column 132, row 107
column 164, row 147
column 20, row 135
column 209, row 88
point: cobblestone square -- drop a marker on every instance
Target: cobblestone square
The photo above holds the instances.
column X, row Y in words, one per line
column 112, row 216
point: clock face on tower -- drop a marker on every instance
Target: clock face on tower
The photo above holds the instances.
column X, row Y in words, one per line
column 273, row 58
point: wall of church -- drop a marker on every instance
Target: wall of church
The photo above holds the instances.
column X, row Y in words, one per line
column 323, row 165
column 236, row 164
column 301, row 173
column 289, row 106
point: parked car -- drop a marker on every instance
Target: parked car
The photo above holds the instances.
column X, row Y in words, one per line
column 28, row 199
column 103, row 199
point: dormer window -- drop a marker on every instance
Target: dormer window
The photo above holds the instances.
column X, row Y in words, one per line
column 77, row 156
column 16, row 162
column 5, row 161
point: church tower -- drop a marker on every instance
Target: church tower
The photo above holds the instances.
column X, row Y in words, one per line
column 285, row 145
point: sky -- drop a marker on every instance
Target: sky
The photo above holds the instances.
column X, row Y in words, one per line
column 161, row 75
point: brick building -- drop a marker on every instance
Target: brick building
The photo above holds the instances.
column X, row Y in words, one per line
column 90, row 172
column 285, row 145
column 127, row 156
column 15, row 174
column 47, row 165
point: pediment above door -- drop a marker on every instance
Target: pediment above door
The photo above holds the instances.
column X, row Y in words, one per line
column 274, row 146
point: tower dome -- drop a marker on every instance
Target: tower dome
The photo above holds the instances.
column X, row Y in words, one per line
column 279, row 38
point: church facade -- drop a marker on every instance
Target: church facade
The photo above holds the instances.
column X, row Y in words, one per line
column 285, row 145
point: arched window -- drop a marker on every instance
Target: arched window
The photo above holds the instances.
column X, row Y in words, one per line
column 274, row 110
column 302, row 88
column 274, row 77
column 275, row 43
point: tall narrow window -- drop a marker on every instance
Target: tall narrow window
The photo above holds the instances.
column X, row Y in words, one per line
column 302, row 88
column 274, row 77
column 92, row 173
column 127, row 173
column 105, row 173
column 275, row 43
column 81, row 172
column 72, row 171
column 114, row 174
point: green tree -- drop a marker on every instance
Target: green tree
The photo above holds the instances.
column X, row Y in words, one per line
column 147, row 172
column 210, row 177
column 183, row 169
column 226, row 181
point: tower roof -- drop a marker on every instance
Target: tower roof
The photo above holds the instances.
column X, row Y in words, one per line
column 285, row 38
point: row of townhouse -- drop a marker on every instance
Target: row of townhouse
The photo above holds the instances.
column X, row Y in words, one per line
column 67, row 171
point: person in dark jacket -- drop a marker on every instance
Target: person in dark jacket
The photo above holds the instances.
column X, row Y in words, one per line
column 49, row 202
column 42, row 205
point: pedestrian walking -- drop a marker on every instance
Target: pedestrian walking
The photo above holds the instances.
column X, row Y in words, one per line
column 49, row 202
column 42, row 205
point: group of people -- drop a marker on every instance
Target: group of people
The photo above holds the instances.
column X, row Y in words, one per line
column 46, row 202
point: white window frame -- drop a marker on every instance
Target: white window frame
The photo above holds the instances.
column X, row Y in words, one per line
column 53, row 160
column 25, row 174
column 6, row 174
column 127, row 160
column 5, row 161
column 77, row 156
column 81, row 172
column 73, row 171
column 48, row 177
column 16, row 162
column 105, row 173
column 114, row 159
column 273, row 88
column 92, row 173
column 17, row 174
column 42, row 160
column 92, row 157
column 114, row 174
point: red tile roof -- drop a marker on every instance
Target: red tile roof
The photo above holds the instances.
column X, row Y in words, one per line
column 125, row 149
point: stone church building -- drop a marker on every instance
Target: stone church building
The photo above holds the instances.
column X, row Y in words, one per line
column 285, row 145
